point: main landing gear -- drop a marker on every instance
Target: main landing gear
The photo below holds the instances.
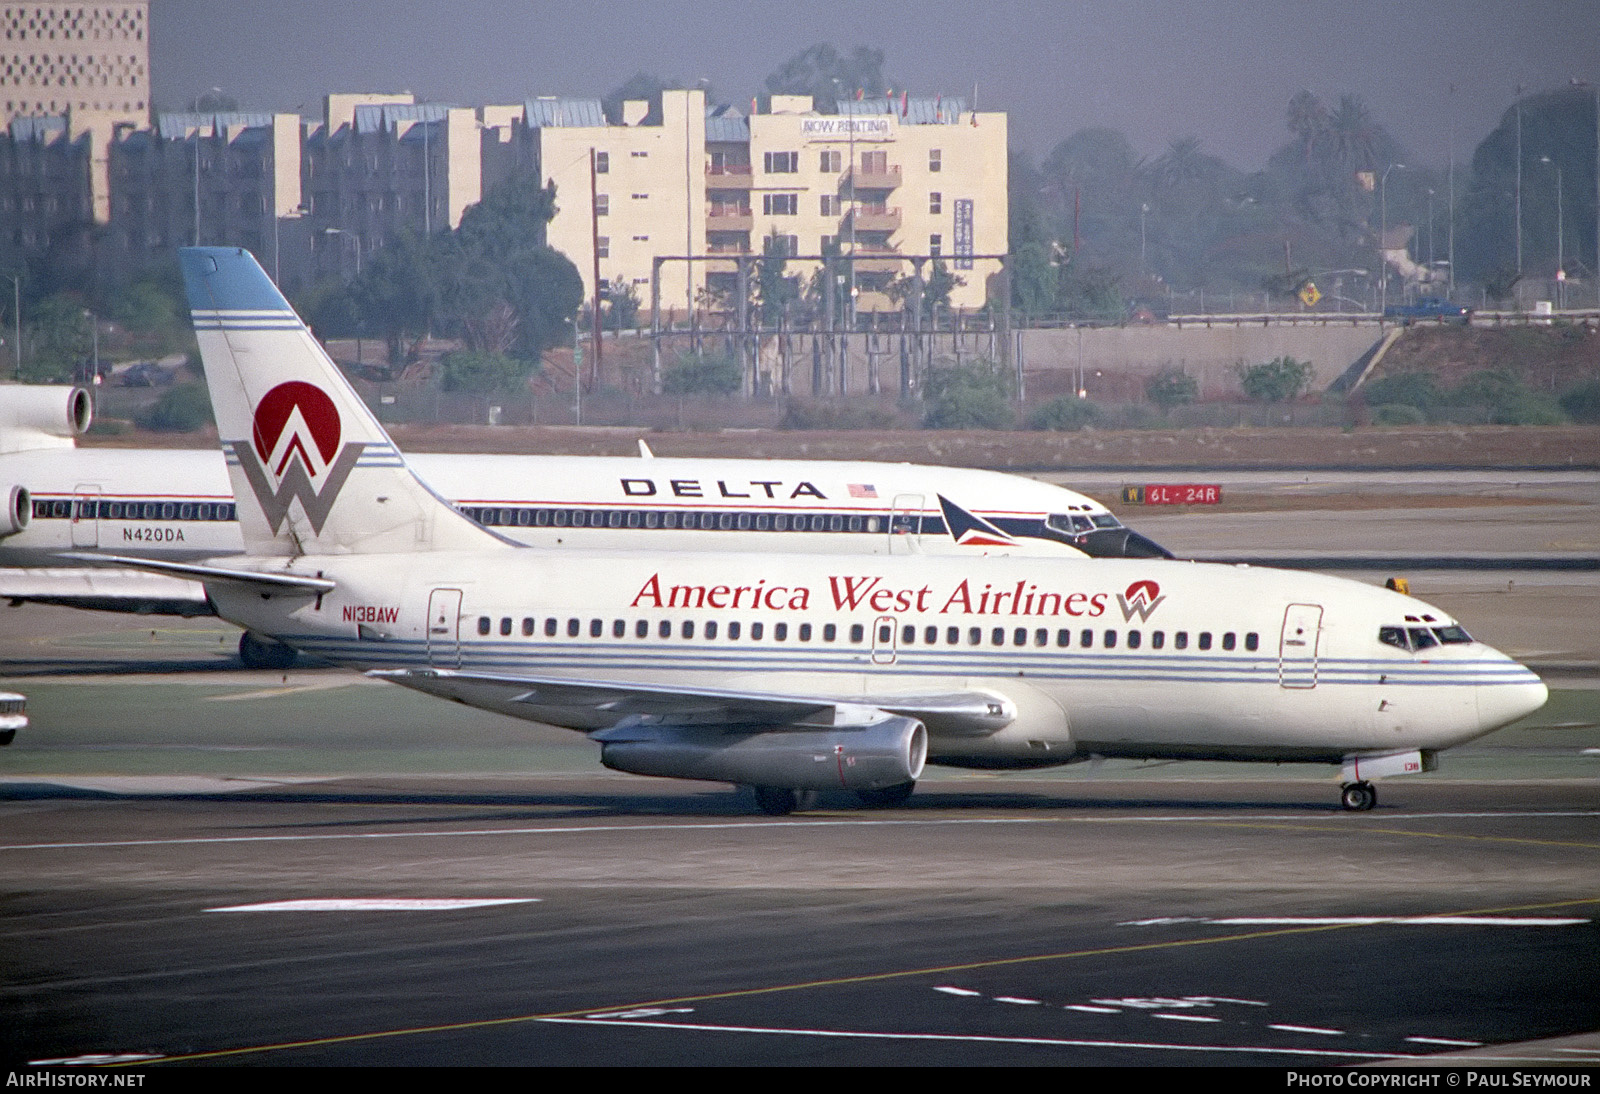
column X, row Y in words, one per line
column 258, row 652
column 1358, row 797
column 888, row 795
column 780, row 801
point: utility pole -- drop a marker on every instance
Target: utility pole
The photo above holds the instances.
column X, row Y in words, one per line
column 1383, row 232
column 594, row 249
column 16, row 304
column 1452, row 182
column 1519, row 179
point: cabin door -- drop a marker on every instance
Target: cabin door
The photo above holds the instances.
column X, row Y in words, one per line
column 1297, row 647
column 905, row 524
column 444, row 628
column 883, row 640
column 86, row 515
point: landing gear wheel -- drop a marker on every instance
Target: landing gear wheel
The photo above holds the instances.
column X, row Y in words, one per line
column 1358, row 797
column 7, row 736
column 780, row 801
column 258, row 652
column 887, row 795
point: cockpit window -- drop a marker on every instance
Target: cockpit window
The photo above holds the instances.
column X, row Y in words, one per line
column 1394, row 636
column 1452, row 635
column 1422, row 638
column 1105, row 520
column 1070, row 523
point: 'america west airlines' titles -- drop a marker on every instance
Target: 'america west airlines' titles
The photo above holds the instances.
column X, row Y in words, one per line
column 847, row 593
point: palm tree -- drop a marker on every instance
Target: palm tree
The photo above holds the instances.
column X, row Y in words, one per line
column 1308, row 121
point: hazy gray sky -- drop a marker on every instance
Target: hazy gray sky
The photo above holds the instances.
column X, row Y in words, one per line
column 1222, row 70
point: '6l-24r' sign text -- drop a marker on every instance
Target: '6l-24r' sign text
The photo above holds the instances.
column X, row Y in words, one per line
column 1188, row 493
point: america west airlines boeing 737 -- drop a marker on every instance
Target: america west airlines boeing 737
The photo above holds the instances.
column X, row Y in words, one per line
column 795, row 673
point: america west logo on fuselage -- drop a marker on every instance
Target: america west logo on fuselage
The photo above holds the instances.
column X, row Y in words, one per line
column 1140, row 599
column 294, row 445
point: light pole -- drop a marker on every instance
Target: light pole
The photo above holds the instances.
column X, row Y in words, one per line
column 1383, row 241
column 1430, row 231
column 353, row 235
column 1561, row 260
column 1452, row 185
column 1519, row 179
column 1594, row 88
column 1143, row 209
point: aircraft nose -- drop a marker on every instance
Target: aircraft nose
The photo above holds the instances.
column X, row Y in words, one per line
column 1501, row 704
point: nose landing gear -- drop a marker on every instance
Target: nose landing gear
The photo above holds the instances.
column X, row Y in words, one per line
column 1359, row 796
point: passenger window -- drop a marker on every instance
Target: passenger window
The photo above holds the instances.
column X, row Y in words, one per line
column 930, row 635
column 733, row 632
column 596, row 628
column 1019, row 637
column 885, row 634
column 1205, row 640
column 711, row 629
column 573, row 627
column 1041, row 637
column 805, row 632
column 1228, row 641
column 780, row 631
column 997, row 637
column 1063, row 637
column 483, row 624
column 550, row 628
column 1111, row 640
column 665, row 630
column 1252, row 641
column 1181, row 640
column 857, row 632
column 505, row 624
column 908, row 634
column 756, row 630
column 830, row 632
column 974, row 636
column 1135, row 639
column 619, row 628
column 1158, row 639
column 952, row 636
column 641, row 629
column 688, row 628
column 1394, row 636
column 1086, row 639
column 527, row 628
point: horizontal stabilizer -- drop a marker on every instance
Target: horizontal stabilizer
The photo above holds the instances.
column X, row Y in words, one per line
column 266, row 582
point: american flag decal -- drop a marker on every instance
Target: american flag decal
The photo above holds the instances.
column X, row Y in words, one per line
column 863, row 490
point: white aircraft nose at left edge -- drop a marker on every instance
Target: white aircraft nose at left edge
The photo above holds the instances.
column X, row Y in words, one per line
column 796, row 673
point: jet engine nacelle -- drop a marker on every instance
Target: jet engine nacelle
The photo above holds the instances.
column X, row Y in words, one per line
column 19, row 510
column 42, row 416
column 889, row 752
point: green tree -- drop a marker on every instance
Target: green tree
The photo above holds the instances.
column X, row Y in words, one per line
column 1278, row 381
column 182, row 408
column 1065, row 414
column 1415, row 389
column 1171, row 388
column 484, row 373
column 703, row 374
column 827, row 76
column 395, row 296
column 58, row 337
column 775, row 289
column 968, row 396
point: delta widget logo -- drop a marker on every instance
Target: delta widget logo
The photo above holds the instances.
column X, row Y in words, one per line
column 294, row 453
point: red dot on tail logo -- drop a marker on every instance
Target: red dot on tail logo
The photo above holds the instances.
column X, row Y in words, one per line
column 276, row 409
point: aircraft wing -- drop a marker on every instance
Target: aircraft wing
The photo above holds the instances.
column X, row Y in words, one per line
column 263, row 580
column 105, row 590
column 606, row 705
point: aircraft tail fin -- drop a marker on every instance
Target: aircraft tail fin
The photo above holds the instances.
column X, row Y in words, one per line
column 313, row 470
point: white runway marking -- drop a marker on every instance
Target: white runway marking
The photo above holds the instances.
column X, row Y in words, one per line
column 1053, row 1042
column 1408, row 920
column 1310, row 1029
column 1091, row 1010
column 1186, row 1017
column 1444, row 1041
column 1014, row 999
column 957, row 991
column 396, row 904
column 96, row 1059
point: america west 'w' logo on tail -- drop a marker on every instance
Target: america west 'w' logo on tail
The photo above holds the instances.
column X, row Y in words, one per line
column 1140, row 599
column 287, row 417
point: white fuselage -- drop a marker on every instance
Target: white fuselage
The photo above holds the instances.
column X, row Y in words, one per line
column 179, row 504
column 1147, row 658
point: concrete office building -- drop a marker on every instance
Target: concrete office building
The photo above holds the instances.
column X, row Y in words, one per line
column 67, row 58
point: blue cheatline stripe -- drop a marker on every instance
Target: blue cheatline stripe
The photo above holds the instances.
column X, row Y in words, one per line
column 511, row 657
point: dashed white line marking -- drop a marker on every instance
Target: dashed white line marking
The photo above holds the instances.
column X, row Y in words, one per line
column 1309, row 1029
column 1225, row 999
column 96, row 1059
column 1186, row 1017
column 373, row 905
column 1091, row 1010
column 1053, row 1042
column 1015, row 999
column 642, row 1012
column 1444, row 1041
column 957, row 991
column 1405, row 920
